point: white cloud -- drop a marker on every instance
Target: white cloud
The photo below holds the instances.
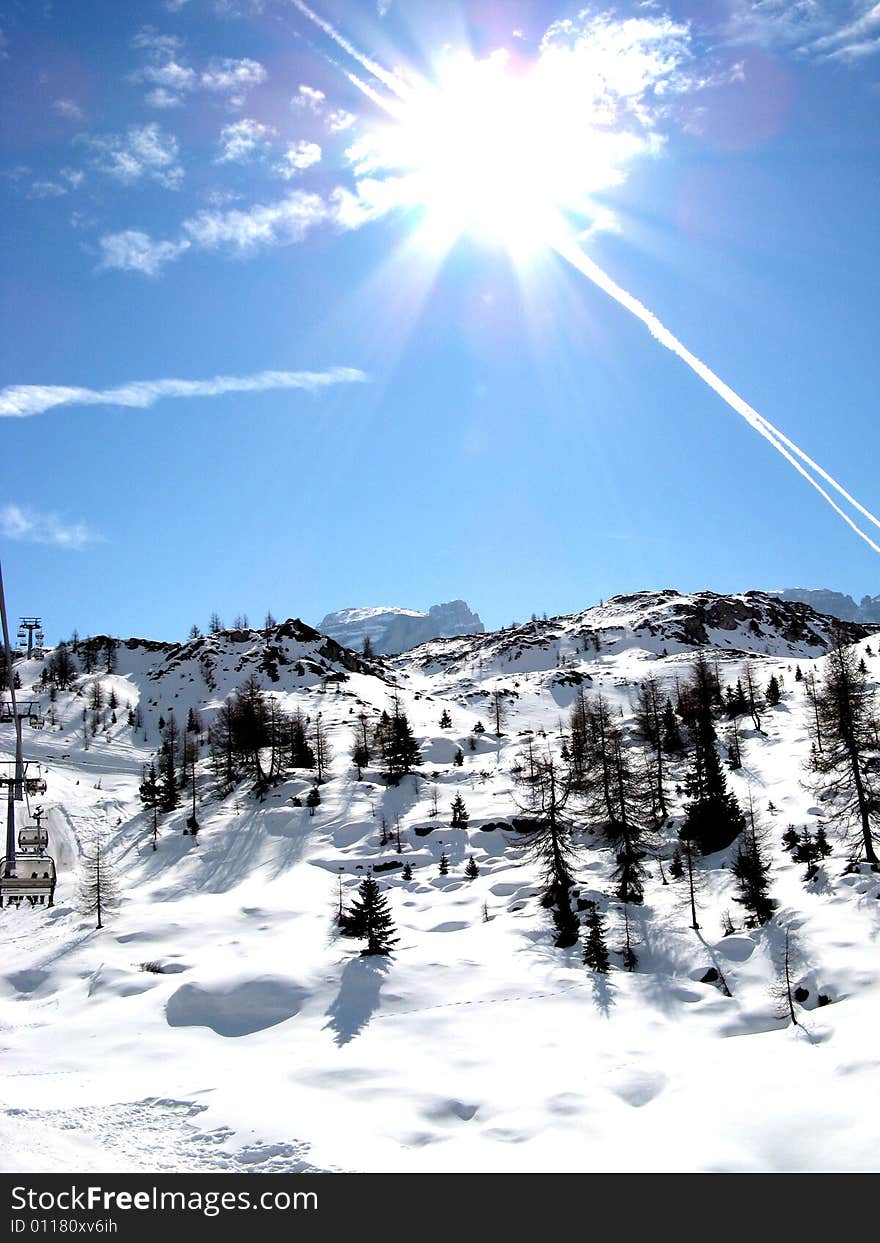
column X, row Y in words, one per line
column 233, row 78
column 144, row 151
column 171, row 76
column 46, row 190
column 339, row 120
column 298, row 157
column 20, row 523
column 135, row 251
column 844, row 30
column 26, row 400
column 68, row 108
column 172, row 79
column 263, row 225
column 160, row 98
column 174, row 6
column 308, row 97
column 243, row 140
column 156, row 45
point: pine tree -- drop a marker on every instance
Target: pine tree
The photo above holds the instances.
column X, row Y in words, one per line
column 676, row 867
column 549, row 842
column 595, row 948
column 168, row 764
column 472, row 871
column 751, row 867
column 444, row 864
column 369, row 919
column 672, row 741
column 713, row 817
column 407, row 871
column 773, row 692
column 151, row 797
column 460, row 815
column 445, row 720
column 313, row 799
column 458, row 758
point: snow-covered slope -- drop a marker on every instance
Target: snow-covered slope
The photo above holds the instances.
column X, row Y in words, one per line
column 397, row 630
column 219, row 1021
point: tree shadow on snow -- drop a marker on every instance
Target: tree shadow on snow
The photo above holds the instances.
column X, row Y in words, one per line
column 358, row 997
column 603, row 993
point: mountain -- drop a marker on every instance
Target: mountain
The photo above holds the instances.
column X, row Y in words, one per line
column 219, row 1021
column 396, row 629
column 836, row 604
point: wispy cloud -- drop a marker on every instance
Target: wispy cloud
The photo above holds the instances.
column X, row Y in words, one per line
column 132, row 250
column 21, row 523
column 246, row 230
column 171, row 78
column 265, row 224
column 842, row 30
column 68, row 108
column 25, row 400
column 142, row 152
column 244, row 140
column 297, row 158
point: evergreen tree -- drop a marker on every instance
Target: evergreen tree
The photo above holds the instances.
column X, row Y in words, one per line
column 773, row 692
column 672, row 741
column 396, row 743
column 790, row 838
column 471, row 871
column 713, row 818
column 595, row 948
column 444, row 864
column 301, row 754
column 445, row 720
column 151, row 797
column 460, row 815
column 168, row 764
column 751, row 867
column 369, row 919
column 407, row 871
column 458, row 758
column 313, row 800
column 549, row 842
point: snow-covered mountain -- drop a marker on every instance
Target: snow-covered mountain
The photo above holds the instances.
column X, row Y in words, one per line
column 397, row 630
column 836, row 603
column 219, row 1022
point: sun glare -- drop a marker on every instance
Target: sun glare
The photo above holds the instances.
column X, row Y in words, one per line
column 495, row 151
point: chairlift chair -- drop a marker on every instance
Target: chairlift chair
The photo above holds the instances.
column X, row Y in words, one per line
column 27, row 878
column 33, row 839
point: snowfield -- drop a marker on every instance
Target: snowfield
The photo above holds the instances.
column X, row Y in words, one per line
column 220, row 1022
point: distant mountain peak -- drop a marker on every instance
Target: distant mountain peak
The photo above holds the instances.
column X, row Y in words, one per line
column 392, row 629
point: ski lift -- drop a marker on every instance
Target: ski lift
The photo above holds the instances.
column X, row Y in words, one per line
column 27, row 878
column 33, row 839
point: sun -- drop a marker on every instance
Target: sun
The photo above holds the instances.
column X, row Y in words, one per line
column 493, row 149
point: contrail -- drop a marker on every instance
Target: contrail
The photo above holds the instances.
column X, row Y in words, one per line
column 380, row 74
column 21, row 401
column 789, row 450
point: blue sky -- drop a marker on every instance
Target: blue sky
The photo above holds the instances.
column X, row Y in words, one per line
column 208, row 188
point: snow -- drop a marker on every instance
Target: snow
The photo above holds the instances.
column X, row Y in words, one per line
column 219, row 1022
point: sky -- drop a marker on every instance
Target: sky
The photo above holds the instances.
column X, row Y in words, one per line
column 290, row 321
